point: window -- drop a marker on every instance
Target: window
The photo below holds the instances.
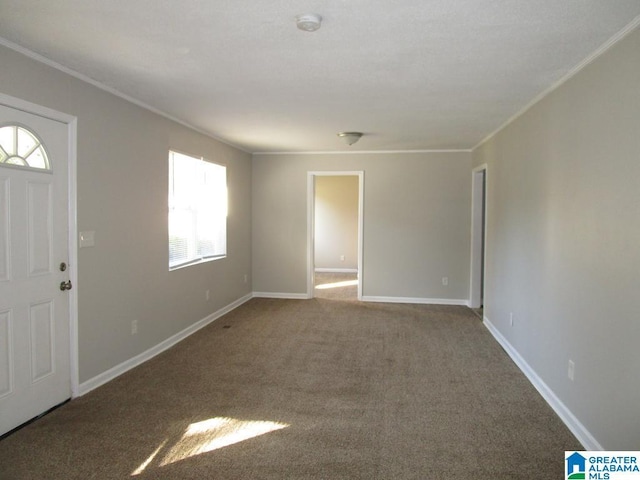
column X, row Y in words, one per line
column 197, row 210
column 21, row 148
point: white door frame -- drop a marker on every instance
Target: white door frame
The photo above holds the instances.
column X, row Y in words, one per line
column 72, row 129
column 478, row 240
column 311, row 204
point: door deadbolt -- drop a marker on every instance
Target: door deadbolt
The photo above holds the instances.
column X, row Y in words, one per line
column 66, row 285
column 63, row 267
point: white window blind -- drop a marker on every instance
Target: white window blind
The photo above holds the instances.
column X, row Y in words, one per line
column 197, row 210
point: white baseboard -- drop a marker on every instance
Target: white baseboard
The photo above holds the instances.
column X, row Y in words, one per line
column 118, row 370
column 587, row 440
column 425, row 301
column 285, row 296
column 336, row 270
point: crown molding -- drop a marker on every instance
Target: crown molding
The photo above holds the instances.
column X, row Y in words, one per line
column 50, row 63
column 363, row 152
column 583, row 64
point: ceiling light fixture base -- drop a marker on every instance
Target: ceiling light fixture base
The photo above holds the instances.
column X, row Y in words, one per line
column 350, row 137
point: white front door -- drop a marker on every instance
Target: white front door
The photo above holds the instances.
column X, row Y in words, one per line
column 35, row 372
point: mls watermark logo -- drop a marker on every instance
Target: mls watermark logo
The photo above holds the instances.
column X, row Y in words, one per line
column 602, row 465
column 576, row 465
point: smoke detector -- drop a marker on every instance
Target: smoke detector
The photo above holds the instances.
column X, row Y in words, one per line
column 309, row 22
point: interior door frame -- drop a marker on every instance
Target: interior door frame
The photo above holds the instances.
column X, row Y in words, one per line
column 72, row 136
column 311, row 208
column 477, row 283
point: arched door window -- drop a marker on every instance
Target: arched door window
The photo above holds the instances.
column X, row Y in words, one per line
column 20, row 147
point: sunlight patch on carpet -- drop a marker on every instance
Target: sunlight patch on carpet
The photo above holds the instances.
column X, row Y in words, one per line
column 347, row 283
column 216, row 433
column 209, row 435
column 146, row 463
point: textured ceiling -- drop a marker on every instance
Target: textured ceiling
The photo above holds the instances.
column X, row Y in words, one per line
column 410, row 74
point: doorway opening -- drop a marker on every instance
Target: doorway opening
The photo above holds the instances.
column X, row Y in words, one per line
column 335, row 221
column 478, row 238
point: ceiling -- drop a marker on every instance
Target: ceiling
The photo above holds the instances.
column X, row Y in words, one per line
column 410, row 74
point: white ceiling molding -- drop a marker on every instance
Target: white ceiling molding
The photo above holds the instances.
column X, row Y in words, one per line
column 425, row 75
column 603, row 49
column 363, row 152
column 50, row 63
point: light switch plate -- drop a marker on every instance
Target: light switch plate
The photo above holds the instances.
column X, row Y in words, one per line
column 87, row 239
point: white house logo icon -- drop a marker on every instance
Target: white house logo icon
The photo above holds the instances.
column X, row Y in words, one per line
column 576, row 466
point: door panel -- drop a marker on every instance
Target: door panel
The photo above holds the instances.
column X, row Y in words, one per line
column 5, row 354
column 35, row 370
column 42, row 340
column 40, row 224
column 4, row 229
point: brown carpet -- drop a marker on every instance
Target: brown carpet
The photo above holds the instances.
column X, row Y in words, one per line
column 307, row 389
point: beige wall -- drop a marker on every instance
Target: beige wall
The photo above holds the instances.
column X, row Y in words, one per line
column 122, row 195
column 416, row 222
column 336, row 222
column 563, row 242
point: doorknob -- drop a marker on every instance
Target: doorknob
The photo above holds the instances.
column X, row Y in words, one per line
column 65, row 285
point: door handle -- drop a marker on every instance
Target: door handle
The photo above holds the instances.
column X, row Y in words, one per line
column 66, row 285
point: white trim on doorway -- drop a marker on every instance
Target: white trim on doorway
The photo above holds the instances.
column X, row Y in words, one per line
column 311, row 176
column 478, row 236
column 72, row 129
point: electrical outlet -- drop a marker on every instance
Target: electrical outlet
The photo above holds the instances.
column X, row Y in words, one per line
column 207, row 295
column 445, row 281
column 571, row 371
column 511, row 318
column 342, row 258
column 246, row 278
column 134, row 327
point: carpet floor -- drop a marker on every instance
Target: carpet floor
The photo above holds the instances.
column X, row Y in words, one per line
column 336, row 286
column 307, row 389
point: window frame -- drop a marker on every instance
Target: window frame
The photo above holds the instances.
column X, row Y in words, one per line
column 38, row 146
column 196, row 259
